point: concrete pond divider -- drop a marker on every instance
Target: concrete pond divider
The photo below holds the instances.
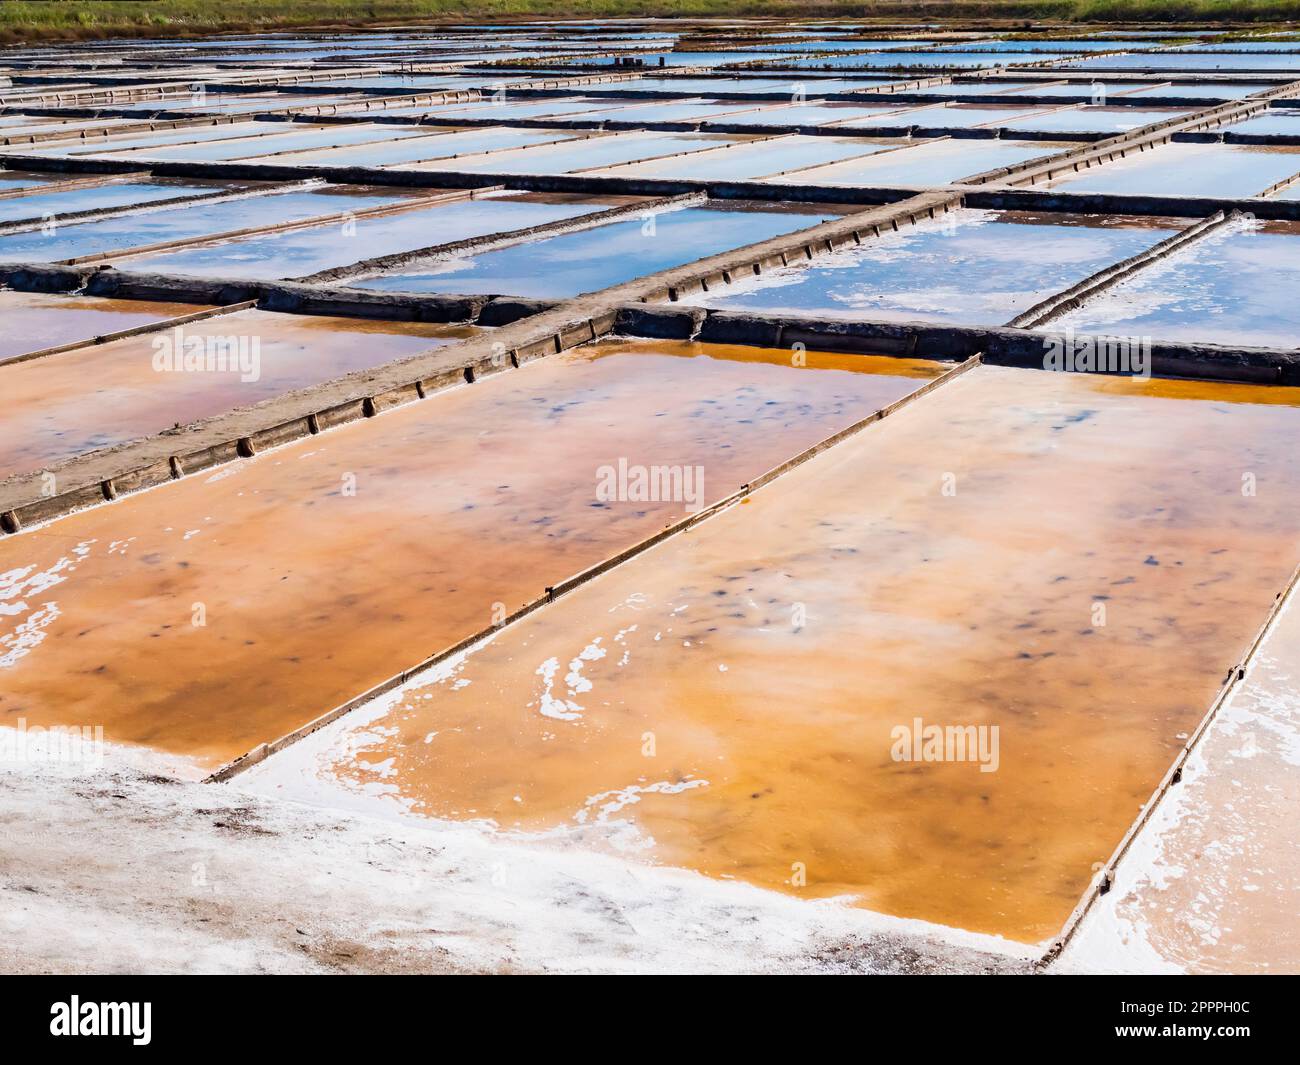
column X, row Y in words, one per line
column 997, row 346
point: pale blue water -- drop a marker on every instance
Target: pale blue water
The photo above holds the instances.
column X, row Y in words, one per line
column 564, row 266
column 181, row 223
column 38, row 205
column 1218, row 90
column 218, row 150
column 669, row 111
column 1199, row 62
column 507, row 110
column 1225, row 170
column 1089, row 119
column 813, row 113
column 1045, row 45
column 731, row 86
column 890, row 59
column 306, row 251
column 972, row 272
column 935, row 163
column 583, row 155
column 744, row 162
column 947, row 116
column 154, row 140
column 983, row 87
column 838, row 45
column 13, row 179
column 414, row 149
column 1238, row 288
column 1276, row 120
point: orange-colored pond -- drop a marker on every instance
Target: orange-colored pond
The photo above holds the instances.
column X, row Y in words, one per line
column 95, row 397
column 1072, row 562
column 224, row 610
column 36, row 320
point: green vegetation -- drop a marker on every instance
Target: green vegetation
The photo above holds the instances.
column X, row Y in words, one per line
column 26, row 20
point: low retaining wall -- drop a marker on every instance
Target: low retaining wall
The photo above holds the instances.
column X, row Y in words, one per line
column 1128, row 204
column 288, row 297
column 1001, row 346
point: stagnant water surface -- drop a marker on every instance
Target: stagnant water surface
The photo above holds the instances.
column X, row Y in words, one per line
column 1235, row 287
column 967, row 267
column 95, row 397
column 743, row 699
column 37, row 320
column 47, row 207
column 347, row 239
column 590, row 259
column 1223, row 170
column 189, row 221
column 328, row 565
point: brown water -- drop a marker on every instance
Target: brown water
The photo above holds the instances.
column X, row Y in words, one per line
column 96, row 397
column 36, row 320
column 768, row 654
column 327, row 566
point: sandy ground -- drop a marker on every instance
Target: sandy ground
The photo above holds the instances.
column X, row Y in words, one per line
column 126, row 870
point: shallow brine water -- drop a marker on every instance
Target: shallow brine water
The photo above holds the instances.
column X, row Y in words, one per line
column 47, row 207
column 751, row 699
column 1233, row 287
column 586, row 260
column 187, row 221
column 347, row 239
column 330, row 564
column 95, row 397
column 1179, row 169
column 36, row 320
column 966, row 268
column 935, row 163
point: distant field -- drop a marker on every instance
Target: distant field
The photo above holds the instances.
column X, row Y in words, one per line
column 87, row 19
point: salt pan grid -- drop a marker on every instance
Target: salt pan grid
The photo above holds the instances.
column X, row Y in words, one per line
column 504, row 398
